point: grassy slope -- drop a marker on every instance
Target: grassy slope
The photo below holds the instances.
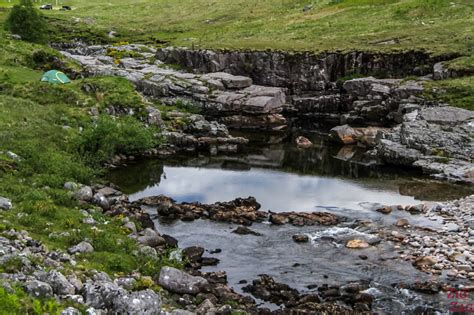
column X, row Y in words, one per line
column 436, row 25
column 32, row 120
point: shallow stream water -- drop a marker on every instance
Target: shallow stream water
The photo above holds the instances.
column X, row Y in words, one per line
column 335, row 179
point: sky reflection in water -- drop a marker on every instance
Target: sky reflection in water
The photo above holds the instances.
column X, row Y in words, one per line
column 275, row 190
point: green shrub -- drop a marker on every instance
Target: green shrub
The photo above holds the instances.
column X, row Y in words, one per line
column 108, row 137
column 27, row 22
column 18, row 302
column 116, row 92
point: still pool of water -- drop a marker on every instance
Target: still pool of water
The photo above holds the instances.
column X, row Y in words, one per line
column 283, row 178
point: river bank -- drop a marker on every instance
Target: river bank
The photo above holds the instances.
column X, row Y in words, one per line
column 52, row 135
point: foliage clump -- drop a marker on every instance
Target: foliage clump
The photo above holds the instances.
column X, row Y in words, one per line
column 26, row 21
column 110, row 136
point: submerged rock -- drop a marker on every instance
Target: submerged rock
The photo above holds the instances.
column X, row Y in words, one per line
column 243, row 230
column 357, row 244
column 304, row 218
column 300, row 238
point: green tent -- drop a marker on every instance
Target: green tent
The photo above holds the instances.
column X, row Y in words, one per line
column 55, row 77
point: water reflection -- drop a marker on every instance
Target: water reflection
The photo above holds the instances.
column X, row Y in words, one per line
column 282, row 178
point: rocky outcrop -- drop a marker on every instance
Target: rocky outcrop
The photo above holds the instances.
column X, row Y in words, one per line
column 218, row 94
column 438, row 140
column 199, row 134
column 298, row 72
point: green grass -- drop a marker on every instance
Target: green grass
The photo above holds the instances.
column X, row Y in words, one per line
column 439, row 26
column 18, row 302
column 457, row 92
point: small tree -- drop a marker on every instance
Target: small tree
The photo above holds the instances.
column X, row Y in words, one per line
column 27, row 22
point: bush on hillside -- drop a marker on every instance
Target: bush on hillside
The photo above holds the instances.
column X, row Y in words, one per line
column 109, row 136
column 27, row 22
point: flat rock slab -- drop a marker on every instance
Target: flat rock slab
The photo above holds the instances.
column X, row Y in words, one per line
column 446, row 115
column 230, row 81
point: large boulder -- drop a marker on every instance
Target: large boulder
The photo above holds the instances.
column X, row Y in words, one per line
column 57, row 281
column 102, row 294
column 84, row 193
column 145, row 302
column 177, row 281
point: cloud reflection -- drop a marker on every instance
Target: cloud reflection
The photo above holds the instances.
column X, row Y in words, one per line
column 275, row 190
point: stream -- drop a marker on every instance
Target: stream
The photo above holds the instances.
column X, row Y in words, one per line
column 282, row 177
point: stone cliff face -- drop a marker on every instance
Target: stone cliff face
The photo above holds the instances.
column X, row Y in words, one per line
column 300, row 72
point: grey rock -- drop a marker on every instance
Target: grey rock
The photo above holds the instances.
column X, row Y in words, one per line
column 71, row 311
column 82, row 247
column 446, row 115
column 5, row 204
column 57, row 281
column 126, row 283
column 147, row 251
column 102, row 294
column 230, row 81
column 93, row 311
column 177, row 281
column 13, row 156
column 145, row 302
column 71, row 186
column 84, row 193
column 206, row 307
column 151, row 238
column 154, row 117
column 38, row 289
column 131, row 227
column 101, row 201
column 181, row 312
column 78, row 299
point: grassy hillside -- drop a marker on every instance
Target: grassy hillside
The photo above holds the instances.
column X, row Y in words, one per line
column 436, row 25
column 50, row 128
